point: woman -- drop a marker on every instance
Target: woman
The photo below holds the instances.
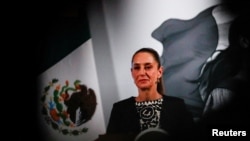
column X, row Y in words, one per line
column 151, row 108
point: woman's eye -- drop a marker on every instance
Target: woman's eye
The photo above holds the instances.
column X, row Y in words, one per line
column 148, row 67
column 136, row 68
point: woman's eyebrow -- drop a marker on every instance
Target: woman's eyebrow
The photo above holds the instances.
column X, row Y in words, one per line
column 147, row 63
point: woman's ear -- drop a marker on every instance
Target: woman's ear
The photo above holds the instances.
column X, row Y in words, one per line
column 160, row 72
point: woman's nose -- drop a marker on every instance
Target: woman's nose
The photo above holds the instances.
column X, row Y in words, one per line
column 142, row 71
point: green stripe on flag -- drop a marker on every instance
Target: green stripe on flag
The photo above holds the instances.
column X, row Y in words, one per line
column 63, row 34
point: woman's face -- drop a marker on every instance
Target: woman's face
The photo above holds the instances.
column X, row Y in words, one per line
column 145, row 71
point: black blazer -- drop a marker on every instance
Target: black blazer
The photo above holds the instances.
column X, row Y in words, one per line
column 174, row 118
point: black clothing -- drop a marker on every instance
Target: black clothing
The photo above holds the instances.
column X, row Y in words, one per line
column 174, row 117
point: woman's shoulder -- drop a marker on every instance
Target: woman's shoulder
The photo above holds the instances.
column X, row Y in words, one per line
column 173, row 98
column 173, row 104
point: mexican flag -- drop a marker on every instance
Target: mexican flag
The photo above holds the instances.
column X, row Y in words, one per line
column 69, row 102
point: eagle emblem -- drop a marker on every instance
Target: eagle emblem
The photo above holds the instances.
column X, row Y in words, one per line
column 67, row 107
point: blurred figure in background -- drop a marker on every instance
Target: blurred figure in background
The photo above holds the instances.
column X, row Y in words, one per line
column 225, row 81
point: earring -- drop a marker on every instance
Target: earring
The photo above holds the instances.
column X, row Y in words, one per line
column 158, row 80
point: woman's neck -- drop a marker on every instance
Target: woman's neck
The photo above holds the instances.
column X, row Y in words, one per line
column 147, row 95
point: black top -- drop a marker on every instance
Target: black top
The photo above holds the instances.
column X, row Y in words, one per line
column 174, row 117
